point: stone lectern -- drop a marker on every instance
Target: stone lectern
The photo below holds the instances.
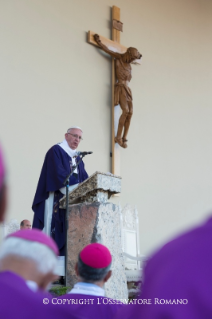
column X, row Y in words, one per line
column 91, row 218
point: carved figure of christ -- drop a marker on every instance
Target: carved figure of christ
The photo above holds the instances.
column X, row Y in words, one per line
column 122, row 93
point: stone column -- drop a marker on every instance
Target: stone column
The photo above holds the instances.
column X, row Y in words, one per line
column 91, row 223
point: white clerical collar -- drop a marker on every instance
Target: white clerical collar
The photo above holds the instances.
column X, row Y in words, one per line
column 85, row 288
column 64, row 145
column 32, row 285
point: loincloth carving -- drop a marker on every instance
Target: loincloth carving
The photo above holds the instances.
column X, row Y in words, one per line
column 124, row 90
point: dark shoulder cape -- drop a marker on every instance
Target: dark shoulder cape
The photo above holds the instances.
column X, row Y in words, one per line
column 56, row 168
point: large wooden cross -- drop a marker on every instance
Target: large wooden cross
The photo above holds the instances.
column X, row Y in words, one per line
column 113, row 45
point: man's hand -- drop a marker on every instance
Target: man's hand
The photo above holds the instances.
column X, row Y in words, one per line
column 97, row 38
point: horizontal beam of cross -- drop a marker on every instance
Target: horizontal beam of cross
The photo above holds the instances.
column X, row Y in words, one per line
column 113, row 46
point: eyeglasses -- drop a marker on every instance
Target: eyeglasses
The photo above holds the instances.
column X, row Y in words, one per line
column 76, row 136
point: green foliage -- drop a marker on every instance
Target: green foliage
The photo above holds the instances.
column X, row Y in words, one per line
column 59, row 291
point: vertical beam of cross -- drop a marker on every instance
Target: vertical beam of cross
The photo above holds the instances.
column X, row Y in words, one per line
column 113, row 45
column 116, row 151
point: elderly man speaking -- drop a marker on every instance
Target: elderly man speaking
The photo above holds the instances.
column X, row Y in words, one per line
column 57, row 165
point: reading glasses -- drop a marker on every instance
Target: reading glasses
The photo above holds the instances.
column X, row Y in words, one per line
column 76, row 136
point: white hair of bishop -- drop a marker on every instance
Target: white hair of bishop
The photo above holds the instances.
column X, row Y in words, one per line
column 70, row 128
column 41, row 255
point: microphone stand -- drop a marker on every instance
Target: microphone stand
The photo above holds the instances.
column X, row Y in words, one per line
column 66, row 183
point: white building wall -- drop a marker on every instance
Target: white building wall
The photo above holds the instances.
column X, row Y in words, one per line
column 51, row 78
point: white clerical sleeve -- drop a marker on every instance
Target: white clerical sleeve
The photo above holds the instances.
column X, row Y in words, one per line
column 49, row 202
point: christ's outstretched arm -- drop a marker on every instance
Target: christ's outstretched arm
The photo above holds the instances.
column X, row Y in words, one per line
column 103, row 47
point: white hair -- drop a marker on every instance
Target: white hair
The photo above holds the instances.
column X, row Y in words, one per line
column 70, row 128
column 44, row 257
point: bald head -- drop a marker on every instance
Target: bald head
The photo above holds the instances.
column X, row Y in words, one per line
column 25, row 224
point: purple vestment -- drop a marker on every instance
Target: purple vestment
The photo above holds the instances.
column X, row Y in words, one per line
column 56, row 167
column 178, row 279
column 82, row 306
column 17, row 301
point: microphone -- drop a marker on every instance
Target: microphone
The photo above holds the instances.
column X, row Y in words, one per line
column 84, row 153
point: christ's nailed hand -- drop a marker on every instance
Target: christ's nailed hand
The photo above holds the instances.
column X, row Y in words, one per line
column 97, row 38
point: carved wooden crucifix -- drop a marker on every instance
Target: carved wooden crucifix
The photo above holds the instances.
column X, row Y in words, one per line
column 122, row 57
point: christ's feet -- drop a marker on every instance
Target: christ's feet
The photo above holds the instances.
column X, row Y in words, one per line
column 121, row 141
column 124, row 142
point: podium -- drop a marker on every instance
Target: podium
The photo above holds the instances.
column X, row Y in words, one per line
column 91, row 218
